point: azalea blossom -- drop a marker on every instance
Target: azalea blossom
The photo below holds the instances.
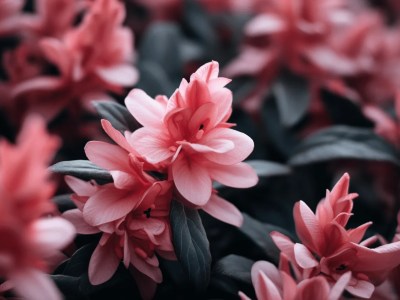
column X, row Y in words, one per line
column 10, row 16
column 189, row 135
column 132, row 213
column 328, row 248
column 29, row 241
column 92, row 58
column 273, row 284
column 292, row 35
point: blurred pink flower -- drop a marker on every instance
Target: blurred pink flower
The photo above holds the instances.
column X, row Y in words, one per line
column 273, row 284
column 190, row 136
column 10, row 16
column 92, row 58
column 29, row 241
column 290, row 34
column 132, row 213
column 330, row 249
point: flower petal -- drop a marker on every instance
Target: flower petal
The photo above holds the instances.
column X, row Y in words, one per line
column 223, row 210
column 34, row 285
column 75, row 216
column 103, row 264
column 53, row 233
column 144, row 109
column 304, row 257
column 192, row 180
column 123, row 74
column 240, row 175
column 107, row 156
column 107, row 205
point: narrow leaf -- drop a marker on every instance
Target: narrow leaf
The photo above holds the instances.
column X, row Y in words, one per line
column 118, row 115
column 293, row 98
column 266, row 168
column 191, row 244
column 82, row 169
column 258, row 233
column 343, row 142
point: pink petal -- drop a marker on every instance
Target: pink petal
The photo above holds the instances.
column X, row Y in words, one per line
column 362, row 289
column 124, row 75
column 215, row 146
column 341, row 188
column 107, row 156
column 265, row 24
column 356, row 235
column 339, row 287
column 75, row 216
column 55, row 52
column 240, row 175
column 151, row 144
column 307, row 226
column 34, row 285
column 116, row 136
column 107, row 205
column 244, row 145
column 141, row 265
column 243, row 296
column 206, row 72
column 266, row 289
column 103, row 264
column 314, row 288
column 192, row 180
column 304, row 257
column 144, row 109
column 223, row 210
column 269, row 270
column 80, row 187
column 53, row 233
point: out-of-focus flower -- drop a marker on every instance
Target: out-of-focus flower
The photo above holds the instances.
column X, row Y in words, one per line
column 328, row 248
column 273, row 284
column 10, row 16
column 92, row 59
column 29, row 240
column 132, row 213
column 291, row 34
column 189, row 135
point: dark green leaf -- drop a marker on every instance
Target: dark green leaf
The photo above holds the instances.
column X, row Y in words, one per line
column 63, row 202
column 258, row 233
column 154, row 80
column 343, row 142
column 344, row 111
column 117, row 114
column 266, row 168
column 161, row 46
column 293, row 98
column 232, row 274
column 236, row 267
column 82, row 169
column 191, row 244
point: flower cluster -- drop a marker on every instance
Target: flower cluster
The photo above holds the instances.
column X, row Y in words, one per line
column 187, row 141
column 329, row 253
column 60, row 66
column 30, row 239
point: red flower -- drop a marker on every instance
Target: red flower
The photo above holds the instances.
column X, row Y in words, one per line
column 28, row 241
column 189, row 135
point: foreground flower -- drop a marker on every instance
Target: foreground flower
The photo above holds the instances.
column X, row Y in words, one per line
column 273, row 284
column 29, row 241
column 132, row 213
column 190, row 137
column 328, row 248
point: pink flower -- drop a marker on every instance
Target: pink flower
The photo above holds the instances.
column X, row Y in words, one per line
column 92, row 58
column 273, row 284
column 189, row 135
column 10, row 16
column 132, row 213
column 28, row 240
column 328, row 248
